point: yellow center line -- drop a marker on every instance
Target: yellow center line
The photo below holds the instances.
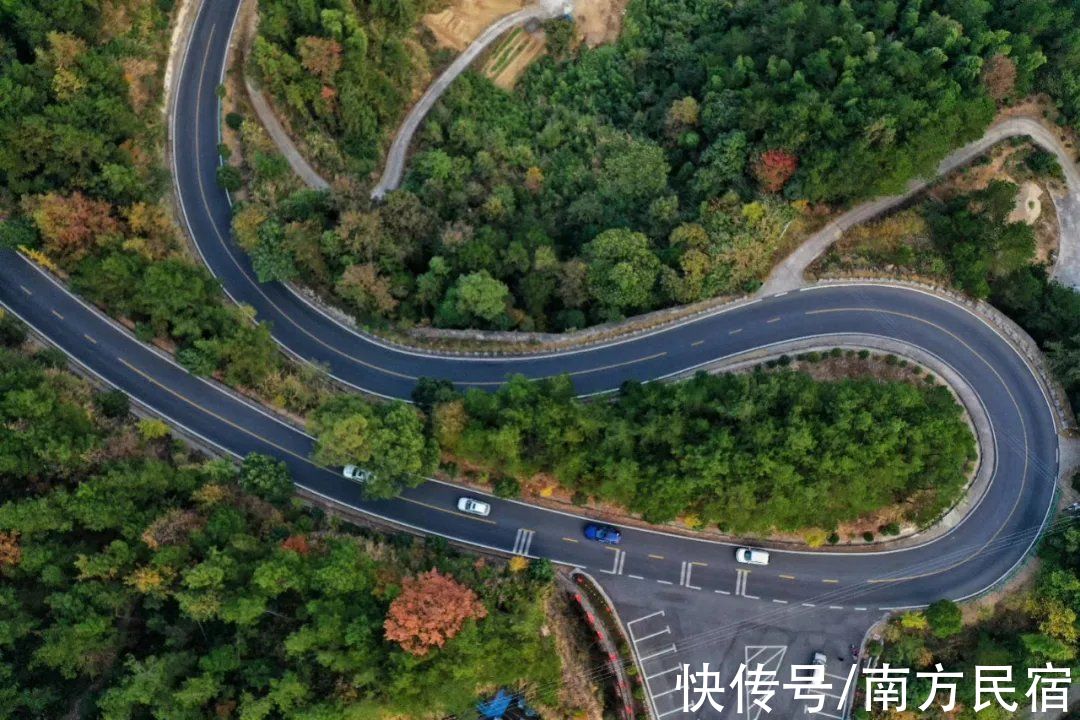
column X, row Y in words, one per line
column 275, row 445
column 90, row 338
column 735, row 332
column 695, row 344
column 771, row 321
column 228, row 251
column 213, row 414
column 429, row 506
column 699, row 564
column 830, row 581
column 656, row 557
column 57, row 314
column 570, row 539
column 788, row 577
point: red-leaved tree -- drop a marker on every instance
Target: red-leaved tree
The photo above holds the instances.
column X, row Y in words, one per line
column 774, row 168
column 431, row 609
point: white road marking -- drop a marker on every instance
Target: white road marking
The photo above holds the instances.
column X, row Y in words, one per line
column 666, row 651
column 684, row 575
column 617, row 565
column 646, row 617
column 665, row 631
column 523, row 541
column 663, row 672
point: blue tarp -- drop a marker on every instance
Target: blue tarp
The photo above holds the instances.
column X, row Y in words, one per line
column 496, row 707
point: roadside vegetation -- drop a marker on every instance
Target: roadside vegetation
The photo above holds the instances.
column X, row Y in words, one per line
column 82, row 187
column 967, row 241
column 343, row 72
column 746, row 453
column 673, row 165
column 140, row 580
column 1025, row 628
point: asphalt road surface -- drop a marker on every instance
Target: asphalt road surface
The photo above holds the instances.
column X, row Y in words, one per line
column 983, row 548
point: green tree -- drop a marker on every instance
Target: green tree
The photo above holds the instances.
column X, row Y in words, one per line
column 266, row 477
column 944, row 618
column 623, row 271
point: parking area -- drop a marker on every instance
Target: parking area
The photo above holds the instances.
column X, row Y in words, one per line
column 657, row 654
column 679, row 626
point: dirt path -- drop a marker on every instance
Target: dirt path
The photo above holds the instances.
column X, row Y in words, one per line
column 788, row 274
column 395, row 159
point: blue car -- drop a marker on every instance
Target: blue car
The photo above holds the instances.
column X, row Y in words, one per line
column 603, row 534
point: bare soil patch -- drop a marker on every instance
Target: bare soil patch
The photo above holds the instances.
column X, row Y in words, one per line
column 462, row 22
column 599, row 21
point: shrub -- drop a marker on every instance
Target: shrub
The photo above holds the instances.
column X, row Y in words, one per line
column 152, row 429
column 229, row 177
column 944, row 618
column 815, row 538
column 113, row 403
column 12, row 332
column 891, row 529
column 506, row 487
column 834, row 537
column 868, row 536
column 234, row 120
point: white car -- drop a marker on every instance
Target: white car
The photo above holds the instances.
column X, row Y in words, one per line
column 752, row 556
column 356, row 474
column 473, row 506
column 819, row 658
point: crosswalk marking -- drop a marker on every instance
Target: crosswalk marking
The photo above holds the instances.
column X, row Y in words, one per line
column 523, row 541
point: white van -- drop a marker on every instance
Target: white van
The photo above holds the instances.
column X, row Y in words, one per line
column 752, row 556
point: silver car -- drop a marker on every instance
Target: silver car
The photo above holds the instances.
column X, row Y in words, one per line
column 473, row 506
column 752, row 556
column 356, row 474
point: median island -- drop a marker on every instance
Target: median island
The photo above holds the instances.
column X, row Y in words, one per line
column 756, row 453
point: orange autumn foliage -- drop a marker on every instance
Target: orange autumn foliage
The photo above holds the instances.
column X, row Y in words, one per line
column 10, row 552
column 297, row 543
column 774, row 168
column 70, row 225
column 431, row 609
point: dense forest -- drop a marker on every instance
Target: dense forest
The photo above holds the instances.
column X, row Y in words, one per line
column 748, row 453
column 674, row 164
column 343, row 72
column 137, row 580
column 81, row 185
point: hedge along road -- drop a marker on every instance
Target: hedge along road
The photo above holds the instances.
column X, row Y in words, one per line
column 983, row 548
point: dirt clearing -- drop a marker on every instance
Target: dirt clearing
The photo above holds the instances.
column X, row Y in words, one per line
column 599, row 21
column 461, row 23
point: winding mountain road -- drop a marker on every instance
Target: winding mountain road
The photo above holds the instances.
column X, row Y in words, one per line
column 986, row 546
column 399, row 149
